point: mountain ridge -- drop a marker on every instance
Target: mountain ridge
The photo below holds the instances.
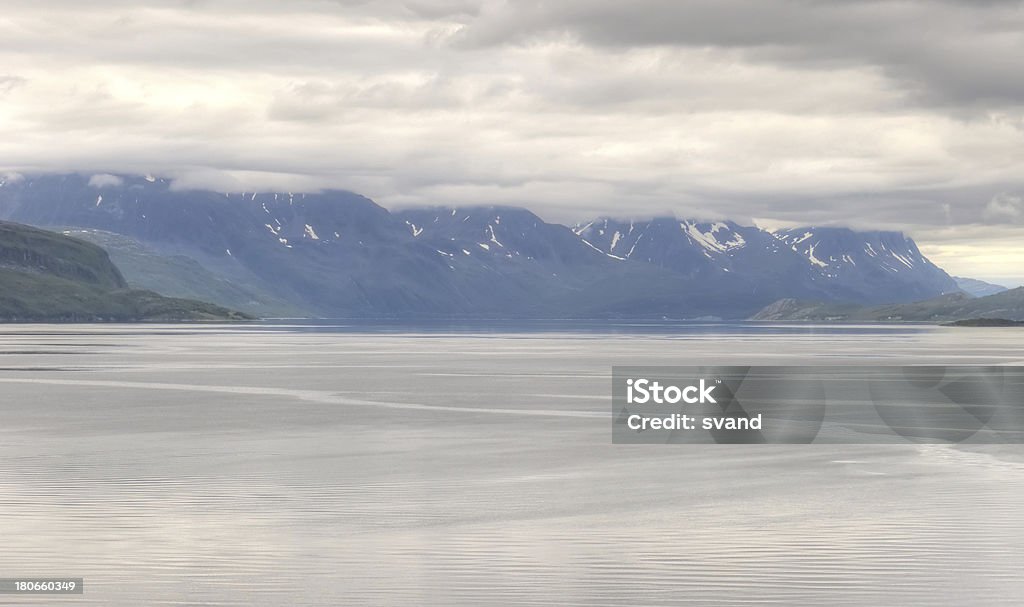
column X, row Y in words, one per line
column 978, row 288
column 336, row 253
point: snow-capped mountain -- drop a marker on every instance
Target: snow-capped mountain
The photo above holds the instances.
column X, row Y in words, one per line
column 328, row 253
column 867, row 267
column 832, row 264
column 336, row 253
column 496, row 233
column 684, row 247
column 665, row 241
column 688, row 246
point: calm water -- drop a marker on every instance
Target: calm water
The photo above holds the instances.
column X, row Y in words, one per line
column 328, row 465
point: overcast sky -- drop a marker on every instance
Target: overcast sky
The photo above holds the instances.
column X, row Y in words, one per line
column 905, row 115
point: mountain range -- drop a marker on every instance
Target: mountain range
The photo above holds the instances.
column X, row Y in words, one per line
column 339, row 254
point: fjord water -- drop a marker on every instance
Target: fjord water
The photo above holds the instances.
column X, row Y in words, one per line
column 329, row 465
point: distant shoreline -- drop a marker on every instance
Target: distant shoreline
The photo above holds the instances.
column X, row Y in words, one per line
column 985, row 322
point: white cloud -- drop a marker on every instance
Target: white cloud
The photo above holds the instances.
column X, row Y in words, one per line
column 244, row 181
column 103, row 180
column 1004, row 207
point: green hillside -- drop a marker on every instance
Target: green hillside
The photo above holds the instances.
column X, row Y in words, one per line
column 1008, row 305
column 48, row 277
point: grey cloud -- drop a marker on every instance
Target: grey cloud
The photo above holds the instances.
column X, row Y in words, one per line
column 943, row 52
column 319, row 101
column 442, row 9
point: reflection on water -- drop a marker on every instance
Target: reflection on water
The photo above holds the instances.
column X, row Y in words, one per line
column 326, row 465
